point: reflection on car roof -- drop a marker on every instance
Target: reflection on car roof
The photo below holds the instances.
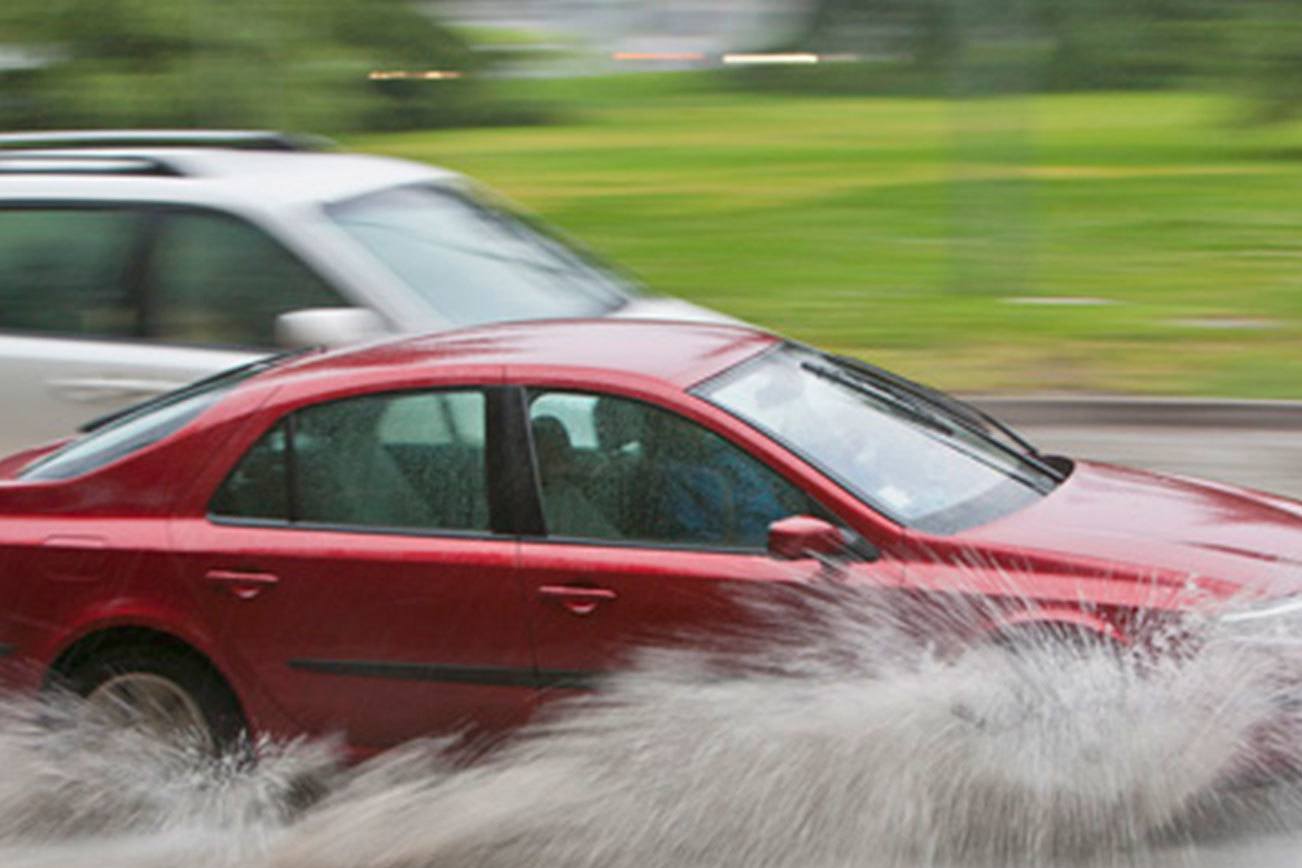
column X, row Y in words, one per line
column 681, row 353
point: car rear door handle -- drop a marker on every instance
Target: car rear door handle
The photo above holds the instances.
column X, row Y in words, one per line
column 241, row 584
column 579, row 599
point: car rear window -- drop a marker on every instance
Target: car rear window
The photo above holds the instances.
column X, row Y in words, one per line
column 130, row 434
column 128, row 431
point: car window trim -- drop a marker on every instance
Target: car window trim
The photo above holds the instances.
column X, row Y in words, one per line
column 510, row 514
column 343, row 527
column 514, row 498
column 655, row 545
column 292, row 507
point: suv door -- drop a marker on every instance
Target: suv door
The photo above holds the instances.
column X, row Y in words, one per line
column 351, row 569
column 72, row 343
column 105, row 305
column 654, row 528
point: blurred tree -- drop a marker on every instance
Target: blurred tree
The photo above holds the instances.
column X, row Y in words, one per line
column 980, row 45
column 295, row 64
column 1269, row 51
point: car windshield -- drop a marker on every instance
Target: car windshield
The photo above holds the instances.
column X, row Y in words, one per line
column 907, row 455
column 120, row 434
column 475, row 262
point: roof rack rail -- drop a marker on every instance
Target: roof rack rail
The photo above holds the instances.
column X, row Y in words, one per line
column 251, row 140
column 73, row 164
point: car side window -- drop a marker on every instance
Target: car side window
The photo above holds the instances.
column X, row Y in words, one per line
column 68, row 271
column 215, row 279
column 404, row 461
column 258, row 487
column 612, row 468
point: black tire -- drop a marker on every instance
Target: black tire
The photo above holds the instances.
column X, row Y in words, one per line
column 186, row 672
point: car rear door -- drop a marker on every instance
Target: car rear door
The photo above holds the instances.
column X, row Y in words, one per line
column 654, row 534
column 351, row 567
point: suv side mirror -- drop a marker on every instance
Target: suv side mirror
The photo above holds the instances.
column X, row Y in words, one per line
column 328, row 326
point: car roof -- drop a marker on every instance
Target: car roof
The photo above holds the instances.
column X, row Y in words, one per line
column 203, row 174
column 680, row 353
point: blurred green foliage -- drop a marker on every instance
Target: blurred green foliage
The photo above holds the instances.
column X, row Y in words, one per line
column 303, row 64
column 970, row 47
column 1271, row 47
column 292, row 64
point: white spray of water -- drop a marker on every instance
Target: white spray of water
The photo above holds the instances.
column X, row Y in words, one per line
column 837, row 741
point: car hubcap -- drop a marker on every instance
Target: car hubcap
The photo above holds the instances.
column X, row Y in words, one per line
column 150, row 704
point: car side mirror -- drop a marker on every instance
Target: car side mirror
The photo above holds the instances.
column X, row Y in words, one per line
column 802, row 536
column 328, row 326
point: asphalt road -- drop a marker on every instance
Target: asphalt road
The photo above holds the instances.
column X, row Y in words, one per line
column 1270, row 460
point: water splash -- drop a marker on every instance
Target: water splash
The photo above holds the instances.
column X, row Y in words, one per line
column 844, row 738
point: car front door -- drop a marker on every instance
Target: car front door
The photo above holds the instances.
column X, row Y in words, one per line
column 350, row 567
column 655, row 529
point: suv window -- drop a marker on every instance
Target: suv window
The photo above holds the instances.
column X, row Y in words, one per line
column 617, row 469
column 411, row 460
column 474, row 262
column 67, row 270
column 214, row 279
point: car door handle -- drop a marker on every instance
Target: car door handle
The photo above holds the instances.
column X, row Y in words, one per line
column 241, row 584
column 90, row 389
column 579, row 599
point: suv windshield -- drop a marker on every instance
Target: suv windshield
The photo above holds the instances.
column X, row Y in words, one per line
column 120, row 434
column 912, row 457
column 474, row 262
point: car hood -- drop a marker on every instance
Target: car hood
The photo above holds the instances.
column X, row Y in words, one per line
column 1162, row 525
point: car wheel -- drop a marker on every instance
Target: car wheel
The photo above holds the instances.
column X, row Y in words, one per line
column 160, row 692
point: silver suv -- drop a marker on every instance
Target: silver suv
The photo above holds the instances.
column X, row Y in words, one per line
column 134, row 262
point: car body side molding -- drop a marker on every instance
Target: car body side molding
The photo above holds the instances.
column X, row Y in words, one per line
column 487, row 675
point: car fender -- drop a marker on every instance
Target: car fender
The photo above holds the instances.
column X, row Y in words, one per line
column 129, row 612
column 262, row 712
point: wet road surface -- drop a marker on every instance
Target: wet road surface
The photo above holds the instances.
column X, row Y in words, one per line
column 1267, row 460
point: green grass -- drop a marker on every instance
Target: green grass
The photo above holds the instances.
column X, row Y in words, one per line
column 896, row 228
column 498, row 36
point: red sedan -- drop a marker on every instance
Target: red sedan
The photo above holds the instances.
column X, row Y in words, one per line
column 425, row 533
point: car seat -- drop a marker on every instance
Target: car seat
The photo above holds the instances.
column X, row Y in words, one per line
column 348, row 477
